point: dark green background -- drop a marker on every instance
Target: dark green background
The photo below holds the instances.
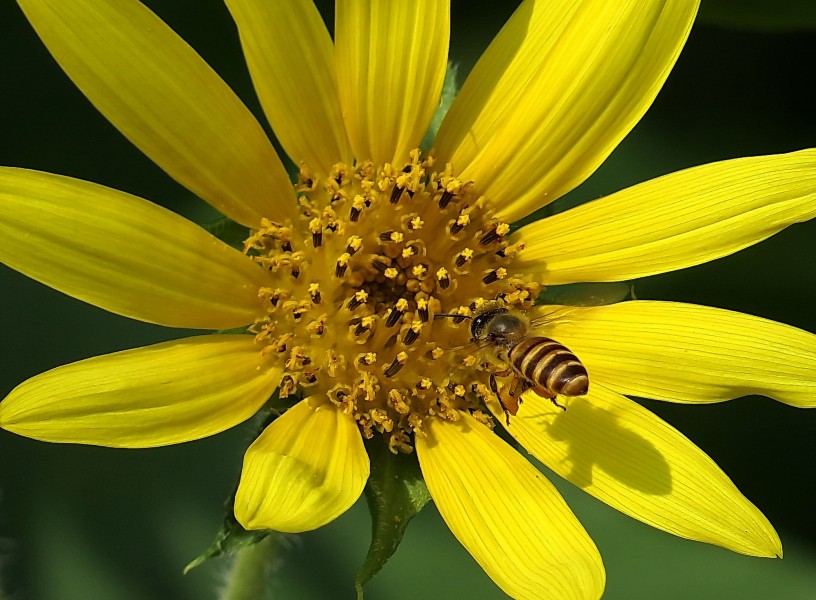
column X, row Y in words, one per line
column 79, row 522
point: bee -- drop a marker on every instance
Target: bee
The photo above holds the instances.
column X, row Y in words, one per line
column 534, row 362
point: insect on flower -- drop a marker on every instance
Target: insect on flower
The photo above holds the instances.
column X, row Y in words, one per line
column 328, row 302
column 532, row 362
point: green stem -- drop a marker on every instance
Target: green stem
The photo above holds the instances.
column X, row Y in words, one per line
column 249, row 576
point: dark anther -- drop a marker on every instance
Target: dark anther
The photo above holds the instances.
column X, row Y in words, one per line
column 393, row 368
column 455, row 227
column 317, row 239
column 491, row 277
column 393, row 317
column 410, row 337
column 396, row 194
column 340, row 269
column 379, row 265
column 385, row 236
column 354, row 214
column 295, row 271
column 460, row 260
column 286, row 246
column 490, row 237
column 445, row 199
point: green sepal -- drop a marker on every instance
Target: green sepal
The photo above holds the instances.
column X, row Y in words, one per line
column 395, row 492
column 230, row 538
column 587, row 294
column 228, row 231
column 450, row 87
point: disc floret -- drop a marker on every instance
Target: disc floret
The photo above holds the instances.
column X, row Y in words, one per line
column 355, row 283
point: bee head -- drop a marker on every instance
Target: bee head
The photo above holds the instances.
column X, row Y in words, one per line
column 498, row 326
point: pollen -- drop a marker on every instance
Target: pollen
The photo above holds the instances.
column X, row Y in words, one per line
column 355, row 284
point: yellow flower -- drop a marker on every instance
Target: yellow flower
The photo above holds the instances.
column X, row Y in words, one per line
column 342, row 275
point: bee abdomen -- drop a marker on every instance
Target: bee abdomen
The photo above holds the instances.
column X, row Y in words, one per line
column 550, row 365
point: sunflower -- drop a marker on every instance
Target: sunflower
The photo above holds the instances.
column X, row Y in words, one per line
column 334, row 293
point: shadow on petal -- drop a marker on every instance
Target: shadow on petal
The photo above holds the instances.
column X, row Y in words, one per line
column 595, row 438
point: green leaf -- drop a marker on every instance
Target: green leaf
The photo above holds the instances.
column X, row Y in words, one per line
column 230, row 538
column 229, row 232
column 395, row 492
column 450, row 88
column 760, row 15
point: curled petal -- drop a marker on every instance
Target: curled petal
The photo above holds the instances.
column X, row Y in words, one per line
column 306, row 469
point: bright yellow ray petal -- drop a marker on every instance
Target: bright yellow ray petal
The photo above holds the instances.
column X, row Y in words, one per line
column 391, row 60
column 506, row 514
column 153, row 396
column 556, row 91
column 624, row 455
column 675, row 221
column 165, row 99
column 306, row 469
column 123, row 253
column 688, row 353
column 290, row 55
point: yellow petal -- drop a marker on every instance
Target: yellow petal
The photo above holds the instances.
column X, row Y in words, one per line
column 616, row 450
column 165, row 99
column 506, row 514
column 123, row 253
column 556, row 91
column 290, row 55
column 687, row 353
column 306, row 469
column 679, row 220
column 152, row 396
column 391, row 60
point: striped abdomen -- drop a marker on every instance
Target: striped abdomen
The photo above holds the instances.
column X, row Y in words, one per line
column 549, row 365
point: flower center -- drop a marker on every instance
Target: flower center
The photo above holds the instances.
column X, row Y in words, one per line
column 355, row 285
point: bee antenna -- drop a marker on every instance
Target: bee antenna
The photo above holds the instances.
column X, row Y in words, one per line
column 438, row 315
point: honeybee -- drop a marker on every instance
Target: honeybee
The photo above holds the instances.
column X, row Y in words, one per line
column 534, row 362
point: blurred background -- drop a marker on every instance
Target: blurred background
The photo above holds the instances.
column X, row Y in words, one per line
column 80, row 522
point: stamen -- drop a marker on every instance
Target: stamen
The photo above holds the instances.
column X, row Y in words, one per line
column 413, row 333
column 494, row 275
column 396, row 365
column 395, row 314
column 463, row 257
column 380, row 263
column 442, row 278
column 342, row 264
column 495, row 234
column 359, row 298
column 316, row 227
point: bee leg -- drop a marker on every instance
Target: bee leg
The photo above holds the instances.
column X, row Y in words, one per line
column 550, row 396
column 510, row 405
